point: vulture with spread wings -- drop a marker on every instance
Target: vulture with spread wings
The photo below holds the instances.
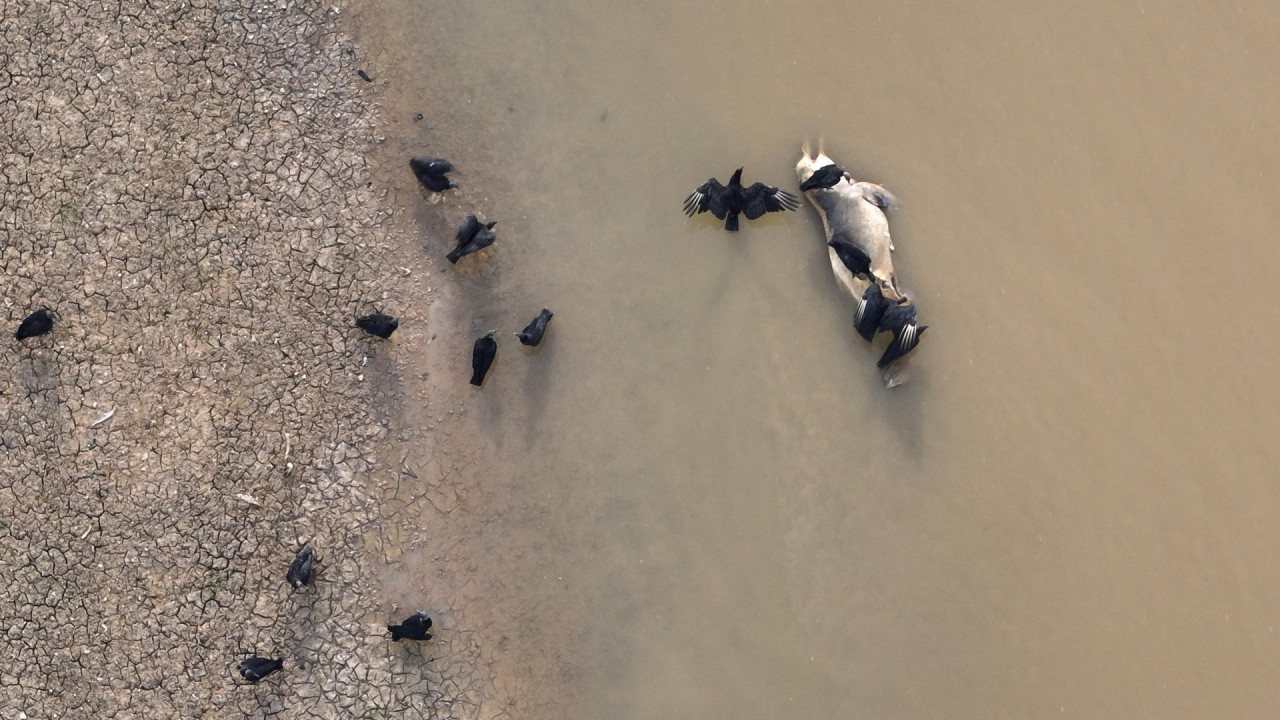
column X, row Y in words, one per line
column 727, row 202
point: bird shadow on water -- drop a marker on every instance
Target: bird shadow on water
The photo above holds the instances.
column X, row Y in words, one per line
column 715, row 297
column 737, row 267
column 900, row 409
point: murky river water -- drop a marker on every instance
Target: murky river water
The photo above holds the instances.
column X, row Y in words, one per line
column 695, row 500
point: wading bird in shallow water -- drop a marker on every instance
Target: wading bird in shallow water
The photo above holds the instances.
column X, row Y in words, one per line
column 414, row 627
column 300, row 569
column 482, row 355
column 433, row 172
column 37, row 323
column 472, row 236
column 256, row 668
column 532, row 333
column 378, row 324
column 726, row 202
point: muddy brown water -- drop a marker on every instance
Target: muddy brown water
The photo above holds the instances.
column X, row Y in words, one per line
column 697, row 501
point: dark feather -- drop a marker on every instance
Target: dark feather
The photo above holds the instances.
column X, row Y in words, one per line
column 300, row 569
column 902, row 322
column 414, row 627
column 870, row 309
column 378, row 324
column 482, row 355
column 532, row 333
column 481, row 238
column 257, row 668
column 903, row 312
column 824, row 177
column 858, row 262
column 710, row 196
column 432, row 173
column 467, row 229
column 37, row 323
column 760, row 199
column 727, row 202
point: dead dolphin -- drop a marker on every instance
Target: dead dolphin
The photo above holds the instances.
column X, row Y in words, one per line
column 853, row 215
column 860, row 248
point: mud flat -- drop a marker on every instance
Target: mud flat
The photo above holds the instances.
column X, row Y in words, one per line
column 188, row 185
column 466, row 526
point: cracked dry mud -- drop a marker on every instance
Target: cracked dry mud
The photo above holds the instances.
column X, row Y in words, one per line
column 187, row 185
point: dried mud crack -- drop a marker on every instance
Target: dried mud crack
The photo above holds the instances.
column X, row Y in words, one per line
column 186, row 184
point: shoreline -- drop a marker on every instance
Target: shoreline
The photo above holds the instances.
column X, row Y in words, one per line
column 476, row 544
column 495, row 656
